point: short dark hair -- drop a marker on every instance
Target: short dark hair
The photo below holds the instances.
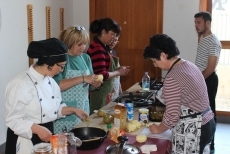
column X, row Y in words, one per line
column 161, row 43
column 206, row 16
column 108, row 24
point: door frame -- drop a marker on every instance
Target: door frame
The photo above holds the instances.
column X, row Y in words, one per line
column 206, row 5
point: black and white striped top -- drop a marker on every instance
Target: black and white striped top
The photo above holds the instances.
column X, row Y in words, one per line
column 184, row 85
column 208, row 46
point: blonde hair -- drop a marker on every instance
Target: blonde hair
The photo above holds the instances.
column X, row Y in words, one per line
column 73, row 35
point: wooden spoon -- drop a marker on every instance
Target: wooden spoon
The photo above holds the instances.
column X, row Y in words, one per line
column 92, row 139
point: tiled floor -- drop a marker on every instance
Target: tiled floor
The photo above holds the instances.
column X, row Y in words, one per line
column 222, row 139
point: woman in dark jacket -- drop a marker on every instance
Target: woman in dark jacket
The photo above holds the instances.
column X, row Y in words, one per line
column 104, row 30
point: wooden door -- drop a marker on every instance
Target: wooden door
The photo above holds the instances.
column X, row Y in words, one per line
column 139, row 20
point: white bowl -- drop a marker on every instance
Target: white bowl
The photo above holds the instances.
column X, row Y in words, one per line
column 42, row 147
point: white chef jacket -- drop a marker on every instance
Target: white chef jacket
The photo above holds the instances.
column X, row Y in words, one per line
column 31, row 98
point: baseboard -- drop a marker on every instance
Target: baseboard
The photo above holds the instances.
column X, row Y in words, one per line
column 223, row 119
column 2, row 148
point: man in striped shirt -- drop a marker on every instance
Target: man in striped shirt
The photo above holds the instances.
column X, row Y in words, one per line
column 208, row 53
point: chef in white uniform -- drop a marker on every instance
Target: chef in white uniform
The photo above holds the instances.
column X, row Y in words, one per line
column 33, row 98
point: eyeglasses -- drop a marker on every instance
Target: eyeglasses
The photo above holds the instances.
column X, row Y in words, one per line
column 61, row 66
column 115, row 41
column 78, row 28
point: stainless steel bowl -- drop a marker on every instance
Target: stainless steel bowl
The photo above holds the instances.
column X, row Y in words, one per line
column 127, row 149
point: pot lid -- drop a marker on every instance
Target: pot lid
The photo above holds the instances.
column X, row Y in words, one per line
column 128, row 149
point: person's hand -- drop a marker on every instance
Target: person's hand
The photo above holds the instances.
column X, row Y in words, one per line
column 89, row 78
column 81, row 114
column 123, row 70
column 42, row 132
column 154, row 128
column 93, row 80
column 96, row 82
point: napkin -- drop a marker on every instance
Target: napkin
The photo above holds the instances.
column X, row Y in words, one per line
column 148, row 148
column 167, row 135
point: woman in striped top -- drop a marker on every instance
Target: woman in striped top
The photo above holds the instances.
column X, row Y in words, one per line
column 105, row 30
column 184, row 94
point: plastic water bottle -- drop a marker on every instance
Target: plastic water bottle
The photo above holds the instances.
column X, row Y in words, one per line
column 130, row 112
column 146, row 82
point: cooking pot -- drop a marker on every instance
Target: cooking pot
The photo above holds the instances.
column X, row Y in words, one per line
column 156, row 112
column 91, row 137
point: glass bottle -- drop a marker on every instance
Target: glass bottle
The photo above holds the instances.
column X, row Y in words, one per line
column 120, row 116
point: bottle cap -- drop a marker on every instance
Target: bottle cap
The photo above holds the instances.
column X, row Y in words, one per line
column 143, row 110
column 109, row 126
column 121, row 104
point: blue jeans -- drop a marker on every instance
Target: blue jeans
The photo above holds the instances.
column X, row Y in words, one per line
column 207, row 134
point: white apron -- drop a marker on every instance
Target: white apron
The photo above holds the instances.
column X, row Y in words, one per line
column 116, row 81
column 187, row 132
column 24, row 146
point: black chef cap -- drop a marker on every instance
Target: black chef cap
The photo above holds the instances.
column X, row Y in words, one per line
column 49, row 51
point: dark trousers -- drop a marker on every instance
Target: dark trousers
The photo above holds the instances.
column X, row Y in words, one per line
column 212, row 85
column 207, row 134
column 11, row 138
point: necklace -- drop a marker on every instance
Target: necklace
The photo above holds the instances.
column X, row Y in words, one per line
column 178, row 59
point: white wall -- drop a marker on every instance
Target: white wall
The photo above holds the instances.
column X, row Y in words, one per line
column 14, row 39
column 81, row 14
column 178, row 23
